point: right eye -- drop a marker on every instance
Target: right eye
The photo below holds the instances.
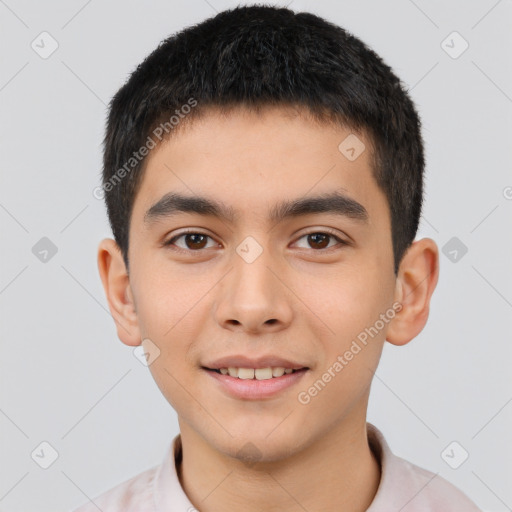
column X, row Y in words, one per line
column 193, row 240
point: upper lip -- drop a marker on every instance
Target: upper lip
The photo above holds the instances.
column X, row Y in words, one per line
column 241, row 361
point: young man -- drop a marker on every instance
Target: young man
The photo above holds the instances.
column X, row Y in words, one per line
column 263, row 174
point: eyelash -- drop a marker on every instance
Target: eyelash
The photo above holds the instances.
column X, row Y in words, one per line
column 170, row 243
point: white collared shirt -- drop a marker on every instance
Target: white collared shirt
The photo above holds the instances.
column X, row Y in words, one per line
column 403, row 487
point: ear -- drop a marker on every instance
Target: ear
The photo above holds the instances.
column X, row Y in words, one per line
column 415, row 284
column 116, row 284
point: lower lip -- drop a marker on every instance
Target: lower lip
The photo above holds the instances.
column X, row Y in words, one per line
column 253, row 389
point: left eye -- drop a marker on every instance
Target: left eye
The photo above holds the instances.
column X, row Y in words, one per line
column 318, row 240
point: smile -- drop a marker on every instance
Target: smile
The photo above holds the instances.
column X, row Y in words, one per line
column 255, row 373
column 255, row 383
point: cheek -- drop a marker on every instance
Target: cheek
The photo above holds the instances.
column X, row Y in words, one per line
column 347, row 310
column 166, row 301
column 343, row 300
column 166, row 316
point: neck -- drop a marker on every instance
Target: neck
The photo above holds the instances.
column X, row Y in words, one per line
column 335, row 472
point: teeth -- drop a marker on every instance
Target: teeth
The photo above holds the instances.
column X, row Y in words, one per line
column 263, row 373
column 256, row 373
column 277, row 372
column 245, row 373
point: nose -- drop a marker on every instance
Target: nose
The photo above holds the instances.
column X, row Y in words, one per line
column 253, row 299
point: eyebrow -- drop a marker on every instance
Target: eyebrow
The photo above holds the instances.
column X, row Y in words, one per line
column 335, row 203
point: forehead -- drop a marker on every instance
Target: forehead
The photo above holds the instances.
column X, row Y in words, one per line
column 252, row 161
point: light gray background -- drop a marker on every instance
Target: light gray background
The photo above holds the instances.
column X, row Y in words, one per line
column 68, row 380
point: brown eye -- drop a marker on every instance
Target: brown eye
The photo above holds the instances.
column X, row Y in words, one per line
column 192, row 241
column 195, row 241
column 319, row 240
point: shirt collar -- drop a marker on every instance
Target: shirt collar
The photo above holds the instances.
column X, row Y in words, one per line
column 169, row 495
column 167, row 491
column 384, row 456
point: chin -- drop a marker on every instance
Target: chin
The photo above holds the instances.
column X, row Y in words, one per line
column 255, row 445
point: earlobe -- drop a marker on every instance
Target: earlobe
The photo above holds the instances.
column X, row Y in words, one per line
column 119, row 295
column 417, row 278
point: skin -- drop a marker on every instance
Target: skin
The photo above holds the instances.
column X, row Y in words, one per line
column 297, row 300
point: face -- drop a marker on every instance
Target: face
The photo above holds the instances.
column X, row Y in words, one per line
column 264, row 287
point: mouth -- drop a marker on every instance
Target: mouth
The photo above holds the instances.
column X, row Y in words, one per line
column 255, row 373
column 245, row 383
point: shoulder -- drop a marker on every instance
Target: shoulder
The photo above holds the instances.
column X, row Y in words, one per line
column 407, row 487
column 132, row 495
column 432, row 492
